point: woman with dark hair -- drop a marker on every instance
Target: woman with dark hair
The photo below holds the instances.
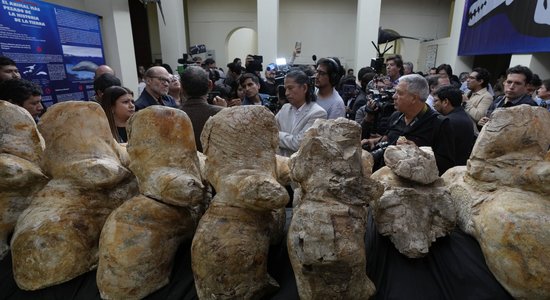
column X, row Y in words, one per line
column 118, row 104
column 296, row 116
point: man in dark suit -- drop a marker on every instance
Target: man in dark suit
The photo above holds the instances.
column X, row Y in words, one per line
column 195, row 85
column 157, row 83
column 447, row 101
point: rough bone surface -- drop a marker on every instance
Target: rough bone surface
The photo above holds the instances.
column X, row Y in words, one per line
column 326, row 235
column 56, row 238
column 413, row 215
column 230, row 248
column 140, row 238
column 503, row 198
column 412, row 162
column 21, row 146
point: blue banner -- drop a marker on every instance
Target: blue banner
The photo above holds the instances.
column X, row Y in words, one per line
column 57, row 47
column 505, row 27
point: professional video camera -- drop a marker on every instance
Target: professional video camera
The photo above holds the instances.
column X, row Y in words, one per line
column 255, row 64
column 383, row 100
column 184, row 61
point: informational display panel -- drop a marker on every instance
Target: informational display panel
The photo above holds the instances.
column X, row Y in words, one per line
column 57, row 47
column 505, row 27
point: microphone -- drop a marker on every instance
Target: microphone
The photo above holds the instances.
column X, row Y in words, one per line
column 314, row 57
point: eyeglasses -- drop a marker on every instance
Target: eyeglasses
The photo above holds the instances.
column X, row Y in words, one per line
column 321, row 73
column 162, row 79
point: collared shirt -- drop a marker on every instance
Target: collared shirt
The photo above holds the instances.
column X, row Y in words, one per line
column 146, row 100
column 501, row 102
column 263, row 98
column 298, row 114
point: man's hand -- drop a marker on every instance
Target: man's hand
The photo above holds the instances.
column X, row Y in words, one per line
column 403, row 141
column 483, row 121
column 219, row 101
column 372, row 141
column 234, row 102
column 372, row 105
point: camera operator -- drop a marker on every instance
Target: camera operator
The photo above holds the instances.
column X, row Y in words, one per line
column 394, row 69
column 349, row 91
column 415, row 123
column 374, row 117
column 270, row 85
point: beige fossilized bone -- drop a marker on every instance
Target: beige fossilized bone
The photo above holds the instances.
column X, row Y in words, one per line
column 416, row 208
column 56, row 237
column 503, row 198
column 140, row 238
column 21, row 146
column 326, row 235
column 230, row 247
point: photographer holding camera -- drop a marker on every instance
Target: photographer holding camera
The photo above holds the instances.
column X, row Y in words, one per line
column 415, row 123
column 375, row 115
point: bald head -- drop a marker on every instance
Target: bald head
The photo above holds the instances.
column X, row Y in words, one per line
column 157, row 81
column 103, row 69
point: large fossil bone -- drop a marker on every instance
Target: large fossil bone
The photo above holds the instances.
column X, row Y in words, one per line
column 56, row 237
column 326, row 235
column 230, row 247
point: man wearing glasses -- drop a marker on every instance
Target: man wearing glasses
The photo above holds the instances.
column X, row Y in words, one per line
column 326, row 78
column 157, row 84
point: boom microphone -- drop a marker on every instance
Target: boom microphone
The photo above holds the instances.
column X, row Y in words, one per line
column 314, row 57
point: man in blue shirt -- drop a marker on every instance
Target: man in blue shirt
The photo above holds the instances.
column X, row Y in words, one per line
column 251, row 85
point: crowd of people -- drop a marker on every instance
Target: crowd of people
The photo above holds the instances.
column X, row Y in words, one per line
column 438, row 109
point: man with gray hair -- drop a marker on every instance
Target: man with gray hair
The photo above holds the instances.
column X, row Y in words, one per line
column 408, row 68
column 415, row 123
column 157, row 83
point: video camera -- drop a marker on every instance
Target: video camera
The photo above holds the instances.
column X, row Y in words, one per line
column 383, row 99
column 254, row 65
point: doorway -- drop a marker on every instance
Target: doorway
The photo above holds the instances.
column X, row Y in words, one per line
column 241, row 42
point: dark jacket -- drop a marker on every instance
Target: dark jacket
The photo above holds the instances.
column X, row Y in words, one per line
column 463, row 131
column 145, row 100
column 199, row 111
column 500, row 103
column 427, row 129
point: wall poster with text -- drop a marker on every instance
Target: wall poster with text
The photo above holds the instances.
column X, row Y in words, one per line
column 57, row 47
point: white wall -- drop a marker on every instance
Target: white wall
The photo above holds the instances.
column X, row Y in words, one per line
column 241, row 42
column 211, row 22
column 154, row 35
column 325, row 27
column 537, row 62
column 423, row 19
column 76, row 4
